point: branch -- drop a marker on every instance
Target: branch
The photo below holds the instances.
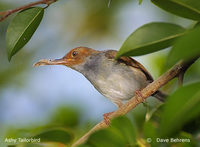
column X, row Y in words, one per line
column 180, row 78
column 5, row 14
column 146, row 92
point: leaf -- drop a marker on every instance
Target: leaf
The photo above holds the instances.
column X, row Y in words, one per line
column 150, row 38
column 185, row 8
column 181, row 107
column 105, row 138
column 65, row 116
column 28, row 145
column 186, row 47
column 120, row 133
column 21, row 29
column 197, row 24
column 124, row 126
column 150, row 133
column 55, row 135
column 138, row 115
column 49, row 144
column 84, row 145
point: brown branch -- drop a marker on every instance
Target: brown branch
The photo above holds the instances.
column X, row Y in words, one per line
column 146, row 92
column 5, row 14
column 180, row 78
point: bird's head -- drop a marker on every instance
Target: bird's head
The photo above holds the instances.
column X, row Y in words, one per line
column 74, row 57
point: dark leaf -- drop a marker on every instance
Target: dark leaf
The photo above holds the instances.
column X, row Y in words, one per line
column 150, row 38
column 120, row 133
column 55, row 135
column 150, row 133
column 181, row 107
column 65, row 116
column 106, row 138
column 184, row 8
column 124, row 126
column 186, row 47
column 21, row 29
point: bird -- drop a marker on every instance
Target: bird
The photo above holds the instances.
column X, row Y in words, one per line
column 116, row 79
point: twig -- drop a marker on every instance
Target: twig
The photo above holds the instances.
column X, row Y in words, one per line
column 109, row 3
column 7, row 13
column 146, row 92
column 182, row 73
column 180, row 79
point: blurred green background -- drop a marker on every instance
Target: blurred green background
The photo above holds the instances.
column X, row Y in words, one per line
column 33, row 98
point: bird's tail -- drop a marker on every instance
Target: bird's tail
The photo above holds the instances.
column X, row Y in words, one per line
column 160, row 95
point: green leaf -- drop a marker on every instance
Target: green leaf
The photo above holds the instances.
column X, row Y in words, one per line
column 150, row 133
column 84, row 145
column 55, row 135
column 140, row 2
column 21, row 29
column 124, row 126
column 181, row 107
column 120, row 133
column 46, row 144
column 186, row 47
column 65, row 116
column 138, row 115
column 106, row 138
column 197, row 24
column 28, row 145
column 150, row 38
column 185, row 8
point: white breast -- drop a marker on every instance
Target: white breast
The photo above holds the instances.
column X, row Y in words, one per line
column 118, row 86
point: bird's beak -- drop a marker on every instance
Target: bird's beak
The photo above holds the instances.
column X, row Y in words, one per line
column 43, row 62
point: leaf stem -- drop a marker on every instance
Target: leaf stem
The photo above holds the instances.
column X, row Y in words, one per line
column 180, row 79
column 5, row 14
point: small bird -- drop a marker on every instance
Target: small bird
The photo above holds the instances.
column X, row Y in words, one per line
column 116, row 79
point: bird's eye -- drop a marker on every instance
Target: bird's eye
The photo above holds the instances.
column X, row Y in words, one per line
column 74, row 53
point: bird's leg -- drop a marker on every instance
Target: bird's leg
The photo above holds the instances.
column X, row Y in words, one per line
column 106, row 115
column 139, row 94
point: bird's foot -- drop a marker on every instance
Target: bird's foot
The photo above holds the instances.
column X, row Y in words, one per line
column 139, row 94
column 107, row 118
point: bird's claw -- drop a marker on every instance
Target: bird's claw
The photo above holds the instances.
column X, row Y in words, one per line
column 107, row 118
